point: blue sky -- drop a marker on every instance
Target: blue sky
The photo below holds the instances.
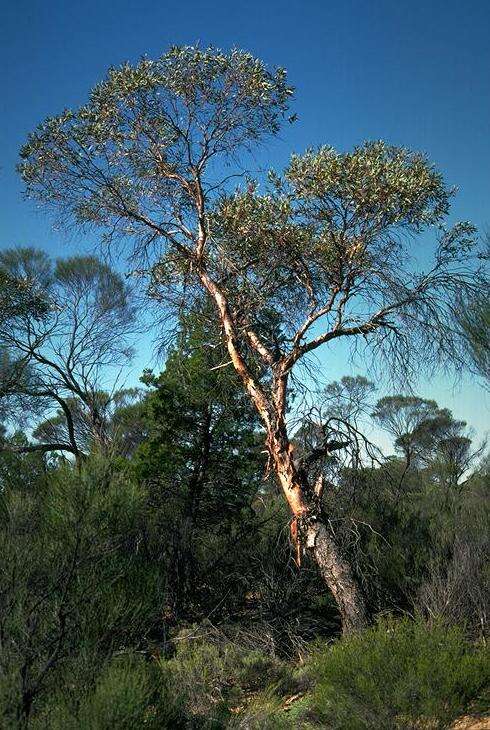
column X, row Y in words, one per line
column 413, row 73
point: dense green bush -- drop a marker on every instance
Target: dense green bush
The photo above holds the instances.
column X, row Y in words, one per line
column 398, row 675
column 121, row 698
column 74, row 586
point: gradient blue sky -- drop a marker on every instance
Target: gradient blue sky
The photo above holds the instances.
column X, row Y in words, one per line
column 413, row 73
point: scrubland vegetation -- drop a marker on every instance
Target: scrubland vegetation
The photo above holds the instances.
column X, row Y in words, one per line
column 225, row 545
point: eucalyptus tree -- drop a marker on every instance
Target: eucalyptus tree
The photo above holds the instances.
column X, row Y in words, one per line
column 427, row 436
column 120, row 423
column 19, row 295
column 473, row 317
column 60, row 360
column 324, row 252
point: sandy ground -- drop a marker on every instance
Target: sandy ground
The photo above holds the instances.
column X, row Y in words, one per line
column 471, row 723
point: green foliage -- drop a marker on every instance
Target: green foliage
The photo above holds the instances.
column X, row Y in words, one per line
column 20, row 295
column 405, row 530
column 121, row 698
column 74, row 588
column 207, row 678
column 474, row 318
column 201, row 465
column 392, row 185
column 17, row 471
column 186, row 107
column 332, row 238
column 193, row 400
column 398, row 675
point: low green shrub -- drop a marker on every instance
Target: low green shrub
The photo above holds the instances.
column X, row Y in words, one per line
column 211, row 678
column 128, row 694
column 398, row 675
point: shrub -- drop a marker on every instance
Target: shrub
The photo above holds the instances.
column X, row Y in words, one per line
column 120, row 699
column 74, row 587
column 211, row 678
column 398, row 675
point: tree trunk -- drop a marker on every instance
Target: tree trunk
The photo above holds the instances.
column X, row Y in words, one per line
column 337, row 574
column 183, row 569
column 311, row 529
column 313, row 535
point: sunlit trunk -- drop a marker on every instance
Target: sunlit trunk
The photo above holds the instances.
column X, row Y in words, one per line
column 311, row 532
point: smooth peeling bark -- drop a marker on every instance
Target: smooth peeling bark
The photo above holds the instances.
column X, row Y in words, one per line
column 253, row 389
column 308, row 529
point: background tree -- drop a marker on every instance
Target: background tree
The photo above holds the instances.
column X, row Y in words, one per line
column 405, row 418
column 474, row 317
column 18, row 295
column 201, row 463
column 427, row 435
column 61, row 360
column 118, row 413
column 326, row 253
